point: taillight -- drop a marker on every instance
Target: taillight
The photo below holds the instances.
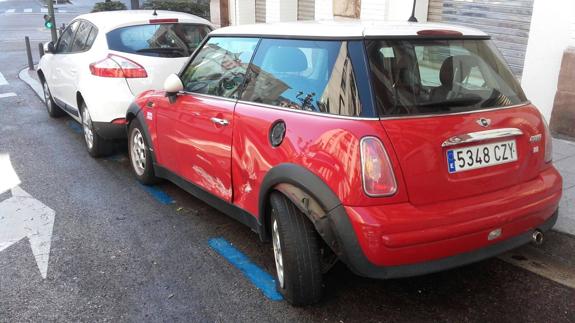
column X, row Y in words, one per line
column 163, row 21
column 376, row 169
column 118, row 66
column 548, row 142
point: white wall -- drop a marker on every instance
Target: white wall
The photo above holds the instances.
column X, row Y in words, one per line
column 548, row 38
column 215, row 12
column 323, row 9
column 393, row 10
column 281, row 10
column 242, row 12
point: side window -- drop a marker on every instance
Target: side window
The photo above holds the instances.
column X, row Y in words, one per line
column 81, row 37
column 65, row 41
column 220, row 66
column 91, row 38
column 304, row 75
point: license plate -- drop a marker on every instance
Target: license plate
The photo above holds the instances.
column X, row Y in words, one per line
column 468, row 158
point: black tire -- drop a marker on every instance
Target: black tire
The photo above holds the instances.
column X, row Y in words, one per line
column 97, row 146
column 300, row 253
column 144, row 173
column 53, row 109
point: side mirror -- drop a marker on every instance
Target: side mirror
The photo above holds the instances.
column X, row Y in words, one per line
column 173, row 84
column 49, row 48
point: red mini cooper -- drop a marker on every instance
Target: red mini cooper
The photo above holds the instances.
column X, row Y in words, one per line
column 399, row 149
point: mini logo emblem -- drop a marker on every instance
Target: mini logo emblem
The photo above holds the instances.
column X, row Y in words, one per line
column 484, row 122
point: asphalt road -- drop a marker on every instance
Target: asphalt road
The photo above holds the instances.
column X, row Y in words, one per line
column 120, row 252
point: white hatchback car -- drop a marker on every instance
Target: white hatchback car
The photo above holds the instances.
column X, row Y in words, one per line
column 103, row 60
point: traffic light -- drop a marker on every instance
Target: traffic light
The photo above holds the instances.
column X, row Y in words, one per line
column 48, row 22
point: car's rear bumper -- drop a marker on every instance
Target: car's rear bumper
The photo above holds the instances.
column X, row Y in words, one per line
column 403, row 240
column 108, row 130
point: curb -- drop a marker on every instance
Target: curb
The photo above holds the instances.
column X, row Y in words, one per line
column 33, row 83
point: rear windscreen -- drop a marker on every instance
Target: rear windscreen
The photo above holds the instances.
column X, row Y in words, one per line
column 159, row 40
column 414, row 77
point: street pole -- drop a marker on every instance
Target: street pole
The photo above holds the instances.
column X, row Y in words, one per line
column 51, row 14
column 29, row 54
column 135, row 4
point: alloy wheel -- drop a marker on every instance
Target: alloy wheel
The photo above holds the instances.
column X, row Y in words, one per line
column 138, row 152
column 87, row 126
column 278, row 253
column 47, row 96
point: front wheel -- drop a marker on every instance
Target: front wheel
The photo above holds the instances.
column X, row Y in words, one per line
column 140, row 156
column 297, row 253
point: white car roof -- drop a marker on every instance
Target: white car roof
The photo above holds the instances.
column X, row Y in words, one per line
column 343, row 29
column 109, row 20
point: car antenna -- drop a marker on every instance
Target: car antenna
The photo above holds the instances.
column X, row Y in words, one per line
column 412, row 18
column 155, row 13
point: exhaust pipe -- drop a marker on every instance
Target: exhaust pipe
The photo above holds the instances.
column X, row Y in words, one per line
column 537, row 237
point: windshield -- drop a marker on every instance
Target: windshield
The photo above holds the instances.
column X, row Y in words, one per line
column 160, row 40
column 414, row 77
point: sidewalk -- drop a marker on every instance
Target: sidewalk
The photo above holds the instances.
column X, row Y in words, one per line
column 563, row 158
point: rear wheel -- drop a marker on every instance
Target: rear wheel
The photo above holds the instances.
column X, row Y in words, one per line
column 297, row 253
column 140, row 156
column 96, row 145
column 54, row 110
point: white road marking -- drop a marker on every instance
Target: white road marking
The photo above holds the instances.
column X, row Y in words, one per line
column 28, row 10
column 43, row 10
column 62, row 11
column 23, row 216
column 8, row 174
column 7, row 95
column 10, row 10
column 3, row 80
column 536, row 261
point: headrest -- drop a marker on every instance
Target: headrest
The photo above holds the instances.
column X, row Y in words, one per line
column 458, row 66
column 446, row 72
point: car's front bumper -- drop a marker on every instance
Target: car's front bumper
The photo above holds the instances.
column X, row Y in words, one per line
column 403, row 240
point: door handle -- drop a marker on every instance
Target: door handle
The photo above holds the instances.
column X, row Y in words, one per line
column 221, row 122
column 482, row 135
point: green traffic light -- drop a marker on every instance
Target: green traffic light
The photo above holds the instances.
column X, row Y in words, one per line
column 48, row 22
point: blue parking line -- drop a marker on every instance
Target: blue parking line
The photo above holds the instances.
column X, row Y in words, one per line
column 158, row 194
column 76, row 127
column 259, row 277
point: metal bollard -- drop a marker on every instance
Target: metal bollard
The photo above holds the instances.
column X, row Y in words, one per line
column 29, row 53
column 41, row 49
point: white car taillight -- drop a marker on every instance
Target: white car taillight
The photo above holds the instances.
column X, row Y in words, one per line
column 376, row 169
column 118, row 66
column 548, row 142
